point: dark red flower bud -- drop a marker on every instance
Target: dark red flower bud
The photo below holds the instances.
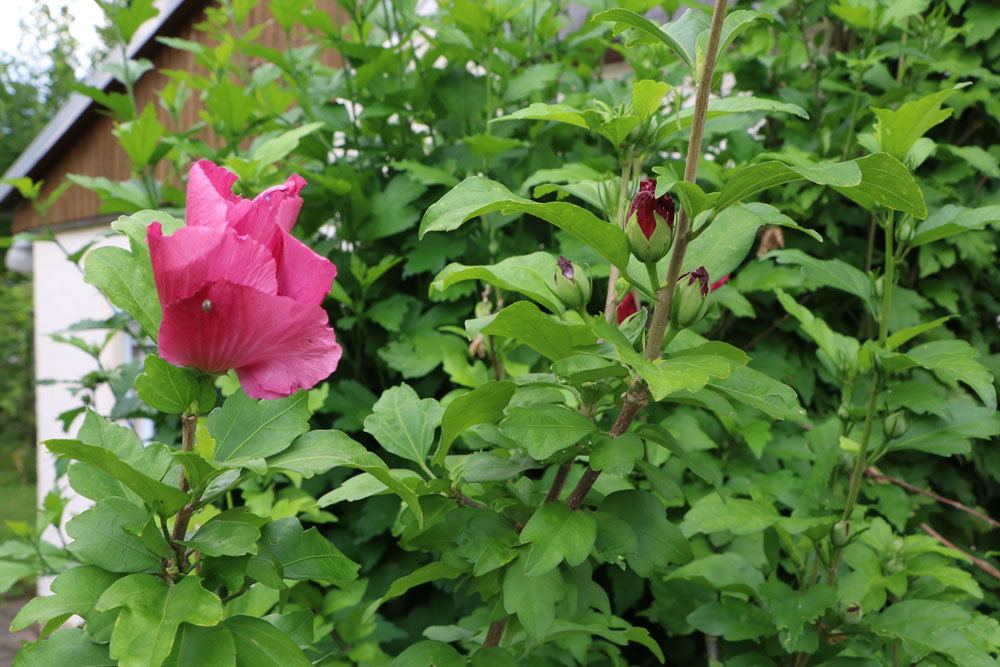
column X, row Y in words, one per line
column 571, row 284
column 650, row 210
column 627, row 307
column 566, row 267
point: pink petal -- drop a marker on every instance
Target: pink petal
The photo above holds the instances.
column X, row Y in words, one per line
column 276, row 345
column 272, row 210
column 303, row 274
column 210, row 194
column 193, row 256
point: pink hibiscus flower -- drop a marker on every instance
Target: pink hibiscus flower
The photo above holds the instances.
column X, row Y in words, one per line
column 240, row 292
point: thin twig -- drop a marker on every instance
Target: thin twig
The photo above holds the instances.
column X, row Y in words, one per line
column 988, row 568
column 562, row 472
column 878, row 475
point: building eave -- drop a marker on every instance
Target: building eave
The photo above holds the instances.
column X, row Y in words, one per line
column 78, row 106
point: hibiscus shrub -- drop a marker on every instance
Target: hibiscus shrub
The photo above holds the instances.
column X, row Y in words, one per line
column 591, row 409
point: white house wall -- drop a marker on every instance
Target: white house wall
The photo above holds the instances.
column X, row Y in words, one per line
column 62, row 299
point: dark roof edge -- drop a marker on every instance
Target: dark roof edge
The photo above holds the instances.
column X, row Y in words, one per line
column 78, row 104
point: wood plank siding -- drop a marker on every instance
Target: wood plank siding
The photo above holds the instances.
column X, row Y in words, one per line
column 90, row 149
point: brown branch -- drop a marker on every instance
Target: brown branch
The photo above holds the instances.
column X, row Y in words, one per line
column 495, row 633
column 878, row 475
column 562, row 472
column 637, row 396
column 988, row 568
column 189, row 425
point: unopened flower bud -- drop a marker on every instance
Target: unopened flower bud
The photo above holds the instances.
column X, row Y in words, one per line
column 851, row 613
column 649, row 223
column 571, row 284
column 627, row 307
column 895, row 425
column 691, row 301
column 895, row 566
column 841, row 533
column 905, row 231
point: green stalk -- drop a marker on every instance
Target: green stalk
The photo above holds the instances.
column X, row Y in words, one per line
column 861, row 462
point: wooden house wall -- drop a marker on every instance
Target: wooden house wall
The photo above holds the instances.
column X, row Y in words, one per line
column 91, row 149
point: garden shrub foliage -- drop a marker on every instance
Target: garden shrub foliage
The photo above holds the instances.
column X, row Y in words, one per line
column 535, row 450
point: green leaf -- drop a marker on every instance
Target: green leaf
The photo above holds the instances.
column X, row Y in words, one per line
column 728, row 571
column 718, row 107
column 897, row 131
column 560, row 113
column 932, row 626
column 950, row 220
column 679, row 36
column 952, row 361
column 260, row 644
column 431, row 572
column 152, row 461
column 658, row 542
column 885, row 181
column 662, row 437
column 838, row 352
column 331, row 449
column 140, row 137
column 304, row 554
column 732, row 619
column 723, row 246
column 948, row 433
column 233, row 532
column 689, row 370
column 557, row 533
column 127, row 281
column 647, row 97
column 522, row 321
column 484, row 404
column 477, row 196
column 828, row 272
column 404, row 424
column 756, row 178
column 11, row 573
column 247, row 430
column 544, row 430
column 617, row 456
column 173, row 390
column 134, row 226
column 531, row 79
column 905, row 335
column 152, row 611
column 431, row 653
column 792, row 610
column 166, row 499
column 104, row 535
column 739, row 516
column 277, row 148
column 532, row 599
column 194, row 645
column 75, row 591
column 530, row 275
column 71, row 646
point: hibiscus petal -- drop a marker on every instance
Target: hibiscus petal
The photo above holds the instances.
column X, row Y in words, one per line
column 210, row 195
column 303, row 274
column 276, row 345
column 193, row 256
column 272, row 211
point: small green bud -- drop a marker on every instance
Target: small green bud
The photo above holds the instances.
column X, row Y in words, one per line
column 895, row 566
column 878, row 288
column 841, row 533
column 571, row 284
column 851, row 613
column 691, row 300
column 843, row 412
column 905, row 231
column 895, row 425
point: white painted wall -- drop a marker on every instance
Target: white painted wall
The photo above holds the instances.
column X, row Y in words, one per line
column 62, row 299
